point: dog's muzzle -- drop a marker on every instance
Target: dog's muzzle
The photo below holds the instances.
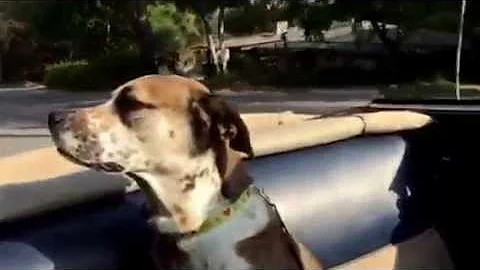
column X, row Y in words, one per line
column 56, row 124
column 111, row 167
column 56, row 121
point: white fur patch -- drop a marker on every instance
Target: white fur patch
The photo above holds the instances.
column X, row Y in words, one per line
column 215, row 249
column 68, row 140
column 198, row 202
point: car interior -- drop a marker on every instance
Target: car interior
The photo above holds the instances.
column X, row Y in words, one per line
column 358, row 198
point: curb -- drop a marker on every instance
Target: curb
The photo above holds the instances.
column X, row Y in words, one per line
column 31, row 132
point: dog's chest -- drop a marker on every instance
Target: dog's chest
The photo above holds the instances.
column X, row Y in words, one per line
column 216, row 249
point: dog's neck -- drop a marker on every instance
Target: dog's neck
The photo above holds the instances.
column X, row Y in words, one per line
column 219, row 245
column 231, row 215
column 195, row 198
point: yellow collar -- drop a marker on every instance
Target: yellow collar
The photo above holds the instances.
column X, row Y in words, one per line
column 221, row 217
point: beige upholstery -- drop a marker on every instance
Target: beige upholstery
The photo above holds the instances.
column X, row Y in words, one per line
column 261, row 121
column 424, row 251
column 392, row 121
column 42, row 179
column 37, row 165
column 327, row 130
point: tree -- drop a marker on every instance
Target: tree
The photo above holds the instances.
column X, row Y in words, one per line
column 223, row 52
column 204, row 9
column 174, row 31
column 86, row 29
column 9, row 31
column 158, row 29
column 260, row 15
column 406, row 16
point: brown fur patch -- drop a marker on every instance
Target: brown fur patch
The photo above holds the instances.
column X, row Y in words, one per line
column 171, row 91
column 190, row 179
column 183, row 220
column 78, row 121
column 178, row 209
column 102, row 114
column 188, row 186
column 141, row 138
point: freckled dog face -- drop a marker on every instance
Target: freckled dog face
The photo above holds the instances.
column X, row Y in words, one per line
column 145, row 126
column 168, row 132
column 159, row 125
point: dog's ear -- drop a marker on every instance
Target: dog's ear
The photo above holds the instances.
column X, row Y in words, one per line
column 230, row 125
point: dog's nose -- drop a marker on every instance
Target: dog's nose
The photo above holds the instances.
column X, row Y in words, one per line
column 55, row 118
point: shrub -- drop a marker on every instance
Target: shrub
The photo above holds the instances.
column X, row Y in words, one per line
column 174, row 29
column 223, row 80
column 102, row 73
column 70, row 75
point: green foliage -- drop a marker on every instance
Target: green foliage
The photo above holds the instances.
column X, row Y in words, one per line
column 427, row 90
column 9, row 30
column 208, row 6
column 71, row 75
column 259, row 18
column 314, row 15
column 408, row 15
column 222, row 80
column 315, row 19
column 94, row 28
column 103, row 73
column 173, row 29
column 86, row 28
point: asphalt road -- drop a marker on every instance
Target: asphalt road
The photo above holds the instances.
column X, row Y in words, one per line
column 23, row 111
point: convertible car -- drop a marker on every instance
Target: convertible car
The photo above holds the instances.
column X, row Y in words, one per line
column 374, row 187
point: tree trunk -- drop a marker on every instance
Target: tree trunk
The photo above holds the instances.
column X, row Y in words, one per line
column 1, row 67
column 225, row 55
column 6, row 39
column 393, row 47
column 144, row 36
column 212, row 59
column 212, row 55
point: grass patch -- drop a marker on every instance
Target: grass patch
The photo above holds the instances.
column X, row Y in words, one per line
column 223, row 80
column 436, row 89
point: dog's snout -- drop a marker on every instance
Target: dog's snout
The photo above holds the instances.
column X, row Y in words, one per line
column 56, row 118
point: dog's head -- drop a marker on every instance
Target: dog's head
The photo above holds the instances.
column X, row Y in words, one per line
column 167, row 126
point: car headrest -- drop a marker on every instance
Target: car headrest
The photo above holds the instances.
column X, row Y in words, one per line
column 303, row 134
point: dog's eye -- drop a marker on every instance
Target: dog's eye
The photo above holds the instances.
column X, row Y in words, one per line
column 126, row 103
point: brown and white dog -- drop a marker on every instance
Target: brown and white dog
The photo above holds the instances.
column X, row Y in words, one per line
column 183, row 146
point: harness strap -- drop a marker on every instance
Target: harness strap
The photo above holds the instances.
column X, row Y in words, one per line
column 292, row 245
